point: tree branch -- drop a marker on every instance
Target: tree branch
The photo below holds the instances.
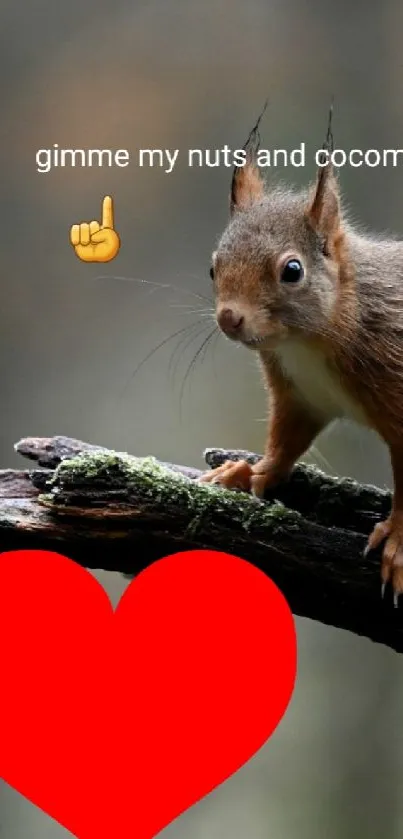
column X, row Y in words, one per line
column 117, row 512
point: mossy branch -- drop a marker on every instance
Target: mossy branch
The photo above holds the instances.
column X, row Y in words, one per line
column 114, row 511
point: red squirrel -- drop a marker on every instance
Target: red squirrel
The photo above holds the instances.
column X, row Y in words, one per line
column 321, row 303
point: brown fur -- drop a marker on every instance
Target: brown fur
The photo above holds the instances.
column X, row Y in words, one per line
column 348, row 310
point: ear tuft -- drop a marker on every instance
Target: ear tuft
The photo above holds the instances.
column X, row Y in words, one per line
column 323, row 212
column 247, row 183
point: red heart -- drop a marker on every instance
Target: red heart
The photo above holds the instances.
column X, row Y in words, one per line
column 114, row 723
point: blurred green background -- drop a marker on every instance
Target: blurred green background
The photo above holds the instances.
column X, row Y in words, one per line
column 182, row 74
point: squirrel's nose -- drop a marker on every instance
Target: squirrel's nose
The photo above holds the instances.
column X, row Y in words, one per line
column 229, row 321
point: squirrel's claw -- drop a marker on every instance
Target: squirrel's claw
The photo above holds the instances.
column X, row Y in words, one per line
column 391, row 532
column 231, row 475
column 239, row 475
column 396, row 595
column 380, row 532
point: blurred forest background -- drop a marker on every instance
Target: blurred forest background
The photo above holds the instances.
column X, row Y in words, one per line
column 183, row 74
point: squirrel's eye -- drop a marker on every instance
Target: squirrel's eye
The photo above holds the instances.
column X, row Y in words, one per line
column 292, row 272
column 211, row 272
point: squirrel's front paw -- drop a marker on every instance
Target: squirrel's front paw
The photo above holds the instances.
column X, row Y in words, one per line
column 390, row 530
column 241, row 475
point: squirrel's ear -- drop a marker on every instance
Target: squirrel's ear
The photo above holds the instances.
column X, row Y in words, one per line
column 247, row 186
column 247, row 183
column 323, row 211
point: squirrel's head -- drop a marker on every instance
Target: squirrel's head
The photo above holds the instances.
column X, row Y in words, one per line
column 278, row 265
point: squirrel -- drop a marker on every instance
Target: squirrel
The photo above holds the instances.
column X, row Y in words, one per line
column 321, row 303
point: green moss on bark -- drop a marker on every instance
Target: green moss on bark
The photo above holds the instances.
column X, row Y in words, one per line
column 146, row 480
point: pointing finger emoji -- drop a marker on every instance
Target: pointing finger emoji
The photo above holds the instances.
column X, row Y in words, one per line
column 94, row 242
